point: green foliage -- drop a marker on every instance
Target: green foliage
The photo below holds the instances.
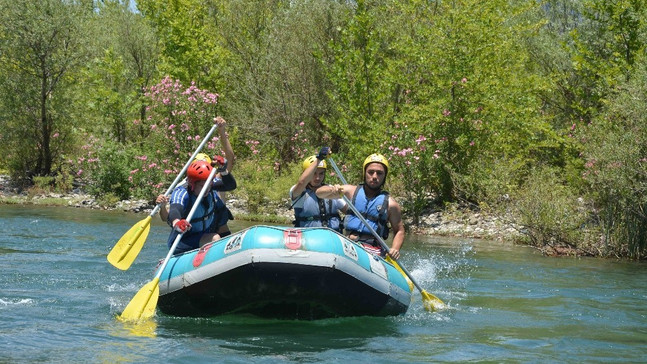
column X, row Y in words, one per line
column 276, row 90
column 361, row 90
column 548, row 210
column 44, row 183
column 616, row 167
column 466, row 98
column 123, row 67
column 262, row 187
column 42, row 45
column 605, row 46
column 111, row 178
column 179, row 117
column 190, row 50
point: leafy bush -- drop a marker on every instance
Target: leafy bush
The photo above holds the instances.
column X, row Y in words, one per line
column 616, row 168
column 112, row 178
column 548, row 210
column 262, row 187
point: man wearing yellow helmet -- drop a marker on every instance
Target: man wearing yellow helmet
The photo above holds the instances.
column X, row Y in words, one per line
column 309, row 210
column 378, row 208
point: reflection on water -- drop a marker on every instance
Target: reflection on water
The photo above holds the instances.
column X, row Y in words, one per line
column 142, row 328
column 255, row 335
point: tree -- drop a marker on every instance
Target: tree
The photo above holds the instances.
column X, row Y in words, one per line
column 188, row 40
column 42, row 45
column 124, row 66
column 361, row 89
column 275, row 86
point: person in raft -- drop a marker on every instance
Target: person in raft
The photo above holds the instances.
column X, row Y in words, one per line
column 375, row 204
column 224, row 181
column 209, row 222
column 310, row 210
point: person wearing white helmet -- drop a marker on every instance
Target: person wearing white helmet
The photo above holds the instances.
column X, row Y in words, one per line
column 376, row 205
column 309, row 210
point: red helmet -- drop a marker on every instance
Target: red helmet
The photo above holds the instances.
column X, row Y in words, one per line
column 198, row 171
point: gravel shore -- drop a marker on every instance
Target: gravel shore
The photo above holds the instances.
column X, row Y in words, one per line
column 459, row 223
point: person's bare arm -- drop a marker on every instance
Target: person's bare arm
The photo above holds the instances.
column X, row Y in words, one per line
column 335, row 191
column 163, row 211
column 303, row 181
column 395, row 219
column 224, row 142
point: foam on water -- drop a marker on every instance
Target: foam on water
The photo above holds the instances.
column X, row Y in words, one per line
column 4, row 302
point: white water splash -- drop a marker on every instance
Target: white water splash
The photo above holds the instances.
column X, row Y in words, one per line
column 16, row 302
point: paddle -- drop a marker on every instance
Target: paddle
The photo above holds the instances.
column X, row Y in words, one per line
column 143, row 305
column 430, row 302
column 128, row 247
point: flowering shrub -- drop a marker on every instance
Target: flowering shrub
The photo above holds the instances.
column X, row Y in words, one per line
column 414, row 159
column 177, row 119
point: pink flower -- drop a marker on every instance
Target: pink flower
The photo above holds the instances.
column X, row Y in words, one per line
column 55, row 135
column 446, row 112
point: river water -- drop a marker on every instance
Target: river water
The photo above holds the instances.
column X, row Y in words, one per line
column 59, row 299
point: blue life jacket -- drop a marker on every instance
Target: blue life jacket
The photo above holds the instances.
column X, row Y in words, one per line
column 316, row 212
column 373, row 210
column 209, row 216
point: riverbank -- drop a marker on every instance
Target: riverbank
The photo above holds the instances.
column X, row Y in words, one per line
column 457, row 222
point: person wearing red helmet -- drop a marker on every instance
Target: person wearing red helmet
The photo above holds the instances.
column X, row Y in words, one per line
column 209, row 222
column 376, row 205
column 224, row 180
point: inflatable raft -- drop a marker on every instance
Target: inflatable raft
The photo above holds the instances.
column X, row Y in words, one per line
column 281, row 272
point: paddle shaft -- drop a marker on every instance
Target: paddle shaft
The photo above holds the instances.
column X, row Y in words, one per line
column 370, row 228
column 186, row 166
column 204, row 189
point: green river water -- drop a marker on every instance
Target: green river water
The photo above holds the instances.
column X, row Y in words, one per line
column 506, row 304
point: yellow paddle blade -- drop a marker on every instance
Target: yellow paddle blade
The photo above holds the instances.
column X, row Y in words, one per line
column 143, row 305
column 397, row 266
column 128, row 247
column 431, row 302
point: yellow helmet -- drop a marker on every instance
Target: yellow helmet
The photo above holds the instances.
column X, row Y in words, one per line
column 379, row 158
column 202, row 157
column 313, row 159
